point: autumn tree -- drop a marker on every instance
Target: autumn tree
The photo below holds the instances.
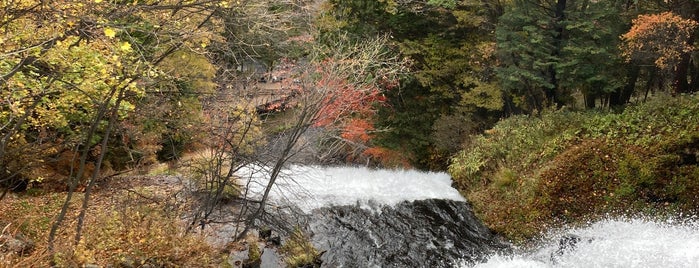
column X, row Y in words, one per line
column 451, row 49
column 57, row 69
column 354, row 76
column 72, row 72
column 337, row 96
column 664, row 40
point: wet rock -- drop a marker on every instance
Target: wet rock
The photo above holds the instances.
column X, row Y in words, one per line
column 270, row 259
column 265, row 233
column 274, row 241
column 425, row 233
column 247, row 257
column 237, row 258
column 18, row 244
column 566, row 244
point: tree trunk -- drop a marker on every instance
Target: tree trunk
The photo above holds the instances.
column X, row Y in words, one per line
column 681, row 84
column 554, row 95
column 694, row 74
column 590, row 100
column 74, row 178
column 622, row 97
column 103, row 151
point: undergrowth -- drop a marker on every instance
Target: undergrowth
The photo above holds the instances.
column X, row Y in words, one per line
column 119, row 232
column 564, row 166
column 299, row 252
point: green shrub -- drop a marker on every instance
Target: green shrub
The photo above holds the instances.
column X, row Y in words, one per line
column 565, row 166
column 210, row 172
column 520, row 143
column 299, row 251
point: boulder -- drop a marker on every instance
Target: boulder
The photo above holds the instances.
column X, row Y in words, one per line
column 18, row 244
column 566, row 244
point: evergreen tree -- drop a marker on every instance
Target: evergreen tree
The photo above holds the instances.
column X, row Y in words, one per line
column 589, row 60
column 549, row 50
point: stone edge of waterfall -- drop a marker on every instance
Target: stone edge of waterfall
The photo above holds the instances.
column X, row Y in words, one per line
column 430, row 232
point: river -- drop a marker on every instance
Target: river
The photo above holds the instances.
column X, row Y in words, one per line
column 361, row 217
column 612, row 243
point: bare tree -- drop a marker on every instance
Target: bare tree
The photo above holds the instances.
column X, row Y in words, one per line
column 361, row 65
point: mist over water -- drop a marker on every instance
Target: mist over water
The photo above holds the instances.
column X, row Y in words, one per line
column 613, row 243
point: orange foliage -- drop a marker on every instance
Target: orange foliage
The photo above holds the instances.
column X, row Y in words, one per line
column 352, row 93
column 357, row 130
column 350, row 106
column 347, row 100
column 661, row 38
column 387, row 157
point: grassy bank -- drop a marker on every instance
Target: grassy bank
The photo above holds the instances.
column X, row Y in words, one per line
column 125, row 227
column 564, row 167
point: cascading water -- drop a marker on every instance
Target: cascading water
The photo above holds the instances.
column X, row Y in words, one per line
column 361, row 217
column 379, row 218
column 612, row 243
column 311, row 187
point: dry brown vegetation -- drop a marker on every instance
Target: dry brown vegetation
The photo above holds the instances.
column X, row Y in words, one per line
column 131, row 222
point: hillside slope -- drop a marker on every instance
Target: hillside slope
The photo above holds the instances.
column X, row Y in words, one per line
column 565, row 167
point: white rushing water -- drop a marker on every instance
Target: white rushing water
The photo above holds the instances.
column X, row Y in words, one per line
column 310, row 187
column 614, row 243
column 618, row 243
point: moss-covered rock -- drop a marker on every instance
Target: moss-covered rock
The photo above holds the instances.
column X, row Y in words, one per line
column 299, row 252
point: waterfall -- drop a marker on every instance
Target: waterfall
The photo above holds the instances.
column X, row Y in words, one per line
column 612, row 243
column 361, row 217
column 313, row 187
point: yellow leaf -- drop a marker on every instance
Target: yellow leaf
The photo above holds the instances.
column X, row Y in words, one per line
column 98, row 1
column 125, row 46
column 109, row 32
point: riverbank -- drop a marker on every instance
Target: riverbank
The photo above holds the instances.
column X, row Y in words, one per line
column 529, row 173
column 317, row 214
column 134, row 220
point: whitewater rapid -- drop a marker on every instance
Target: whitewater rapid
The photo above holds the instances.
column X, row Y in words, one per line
column 312, row 187
column 375, row 217
column 613, row 243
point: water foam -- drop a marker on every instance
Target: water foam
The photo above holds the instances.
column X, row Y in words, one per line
column 614, row 243
column 311, row 187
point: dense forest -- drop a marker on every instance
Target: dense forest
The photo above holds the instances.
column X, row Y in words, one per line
column 517, row 99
